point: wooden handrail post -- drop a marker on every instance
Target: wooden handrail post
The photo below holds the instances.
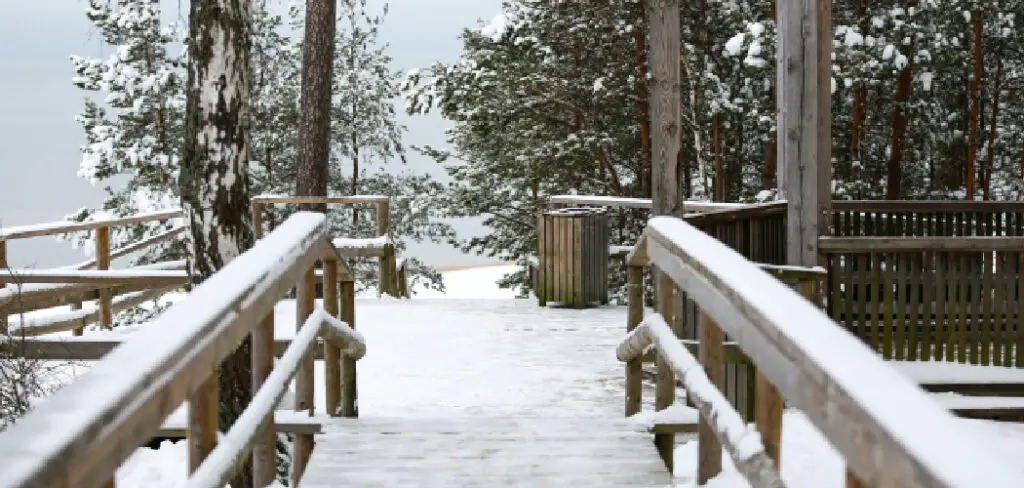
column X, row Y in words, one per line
column 634, row 315
column 105, row 301
column 3, row 274
column 383, row 229
column 712, row 358
column 264, row 451
column 202, row 422
column 80, row 330
column 304, row 377
column 852, row 481
column 349, row 392
column 332, row 354
column 257, row 220
column 665, row 387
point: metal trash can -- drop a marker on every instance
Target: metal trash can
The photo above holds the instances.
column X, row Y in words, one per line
column 572, row 255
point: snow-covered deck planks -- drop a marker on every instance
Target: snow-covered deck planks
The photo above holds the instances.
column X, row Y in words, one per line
column 475, row 451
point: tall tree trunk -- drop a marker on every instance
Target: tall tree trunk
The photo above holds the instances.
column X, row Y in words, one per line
column 268, row 165
column 718, row 194
column 315, row 101
column 355, row 179
column 972, row 142
column 214, row 178
column 991, row 152
column 643, row 104
column 900, row 120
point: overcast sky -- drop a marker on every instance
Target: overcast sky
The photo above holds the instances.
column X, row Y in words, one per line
column 39, row 137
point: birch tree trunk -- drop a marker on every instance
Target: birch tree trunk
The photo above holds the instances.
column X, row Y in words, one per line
column 315, row 100
column 214, row 179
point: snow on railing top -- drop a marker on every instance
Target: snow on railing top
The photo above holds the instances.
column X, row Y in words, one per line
column 885, row 425
column 272, row 198
column 64, row 227
column 123, row 398
column 626, row 202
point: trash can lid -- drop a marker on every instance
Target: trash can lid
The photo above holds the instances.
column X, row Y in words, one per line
column 576, row 211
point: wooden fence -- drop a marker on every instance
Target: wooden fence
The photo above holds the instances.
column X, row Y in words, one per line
column 113, row 290
column 882, row 424
column 392, row 272
column 79, row 436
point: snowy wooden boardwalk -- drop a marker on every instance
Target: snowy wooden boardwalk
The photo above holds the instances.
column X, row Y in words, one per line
column 484, row 452
column 521, row 396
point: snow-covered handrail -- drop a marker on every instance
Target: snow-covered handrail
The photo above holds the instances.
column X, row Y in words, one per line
column 107, row 277
column 135, row 246
column 65, row 227
column 233, row 449
column 742, row 443
column 645, row 203
column 82, row 433
column 350, row 199
column 25, row 326
column 883, row 424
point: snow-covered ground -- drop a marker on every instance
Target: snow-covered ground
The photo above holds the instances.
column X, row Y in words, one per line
column 478, row 351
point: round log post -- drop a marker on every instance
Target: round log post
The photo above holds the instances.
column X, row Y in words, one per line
column 105, row 302
column 634, row 315
column 264, row 451
column 304, row 378
column 349, row 392
column 332, row 354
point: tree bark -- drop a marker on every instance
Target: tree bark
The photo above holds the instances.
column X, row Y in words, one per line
column 972, row 142
column 991, row 160
column 900, row 121
column 214, row 178
column 315, row 101
column 643, row 105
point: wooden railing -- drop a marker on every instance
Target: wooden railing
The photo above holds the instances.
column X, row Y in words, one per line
column 927, row 218
column 72, row 285
column 79, row 436
column 380, row 246
column 882, row 423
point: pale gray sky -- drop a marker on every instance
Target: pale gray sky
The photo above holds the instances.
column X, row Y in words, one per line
column 39, row 137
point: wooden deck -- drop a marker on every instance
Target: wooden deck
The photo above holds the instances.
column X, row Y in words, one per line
column 484, row 451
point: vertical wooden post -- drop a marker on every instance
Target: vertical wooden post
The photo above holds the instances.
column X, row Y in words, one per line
column 768, row 416
column 304, row 377
column 665, row 384
column 78, row 331
column 110, row 484
column 804, row 81
column 712, row 358
column 383, row 229
column 257, row 220
column 202, row 422
column 103, row 263
column 349, row 390
column 264, row 451
column 332, row 354
column 634, row 315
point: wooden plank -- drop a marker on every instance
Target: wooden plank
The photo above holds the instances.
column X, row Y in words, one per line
column 104, row 301
column 349, row 391
column 985, row 289
column 665, row 385
column 902, row 261
column 926, row 206
column 332, row 353
column 202, row 422
column 295, row 200
column 830, row 245
column 634, row 314
column 264, row 451
column 303, row 445
column 943, row 331
column 887, row 280
column 928, row 302
column 524, row 451
column 147, row 278
column 712, row 359
column 65, row 227
column 89, row 349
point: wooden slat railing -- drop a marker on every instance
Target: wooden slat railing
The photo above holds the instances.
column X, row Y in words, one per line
column 105, row 292
column 380, row 246
column 877, row 419
column 927, row 218
column 79, row 436
column 930, row 298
